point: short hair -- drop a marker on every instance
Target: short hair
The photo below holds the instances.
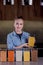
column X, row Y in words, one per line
column 20, row 17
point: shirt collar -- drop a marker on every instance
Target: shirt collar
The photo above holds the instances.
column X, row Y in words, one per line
column 16, row 34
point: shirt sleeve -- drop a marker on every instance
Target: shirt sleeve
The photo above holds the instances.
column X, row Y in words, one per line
column 28, row 35
column 9, row 42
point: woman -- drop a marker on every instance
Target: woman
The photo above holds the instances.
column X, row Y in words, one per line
column 18, row 38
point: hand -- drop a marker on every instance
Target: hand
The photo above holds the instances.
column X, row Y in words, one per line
column 25, row 45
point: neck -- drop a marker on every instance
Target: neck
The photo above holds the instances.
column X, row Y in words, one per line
column 18, row 32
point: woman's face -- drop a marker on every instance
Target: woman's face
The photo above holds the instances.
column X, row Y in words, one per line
column 18, row 25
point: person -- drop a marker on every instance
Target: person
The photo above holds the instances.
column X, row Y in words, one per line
column 18, row 38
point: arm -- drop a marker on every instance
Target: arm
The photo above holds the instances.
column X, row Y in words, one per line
column 9, row 42
column 21, row 46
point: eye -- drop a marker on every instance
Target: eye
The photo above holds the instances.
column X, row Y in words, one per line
column 16, row 23
column 20, row 23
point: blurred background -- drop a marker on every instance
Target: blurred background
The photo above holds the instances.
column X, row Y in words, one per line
column 31, row 11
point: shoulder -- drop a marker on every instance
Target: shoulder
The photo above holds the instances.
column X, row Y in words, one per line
column 10, row 34
column 26, row 34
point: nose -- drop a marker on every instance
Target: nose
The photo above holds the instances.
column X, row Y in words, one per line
column 18, row 25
